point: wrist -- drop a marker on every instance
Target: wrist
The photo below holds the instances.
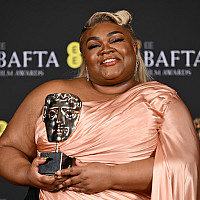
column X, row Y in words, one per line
column 111, row 176
column 27, row 175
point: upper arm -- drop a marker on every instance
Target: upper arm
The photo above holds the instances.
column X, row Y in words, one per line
column 20, row 132
column 178, row 138
column 176, row 163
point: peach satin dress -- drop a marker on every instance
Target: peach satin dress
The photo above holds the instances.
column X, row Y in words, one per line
column 147, row 120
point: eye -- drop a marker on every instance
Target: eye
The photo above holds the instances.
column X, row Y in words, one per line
column 117, row 40
column 52, row 114
column 64, row 109
column 93, row 46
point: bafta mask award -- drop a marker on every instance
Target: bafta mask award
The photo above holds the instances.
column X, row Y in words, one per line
column 61, row 115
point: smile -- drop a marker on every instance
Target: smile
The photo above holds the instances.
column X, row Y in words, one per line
column 109, row 60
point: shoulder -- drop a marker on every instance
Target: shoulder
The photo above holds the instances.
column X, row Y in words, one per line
column 157, row 95
column 34, row 102
column 155, row 89
column 60, row 85
column 154, row 86
column 55, row 86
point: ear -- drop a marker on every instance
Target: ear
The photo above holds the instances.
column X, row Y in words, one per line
column 135, row 46
column 83, row 62
column 82, row 55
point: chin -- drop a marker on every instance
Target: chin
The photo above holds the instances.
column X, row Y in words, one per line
column 112, row 76
column 109, row 82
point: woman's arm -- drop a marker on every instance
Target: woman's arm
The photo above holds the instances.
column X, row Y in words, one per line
column 135, row 176
column 17, row 144
column 177, row 159
column 96, row 177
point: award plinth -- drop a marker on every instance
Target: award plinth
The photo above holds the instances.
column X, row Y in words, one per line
column 54, row 162
column 61, row 115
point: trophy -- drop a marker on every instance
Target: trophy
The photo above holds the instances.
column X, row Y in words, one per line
column 61, row 115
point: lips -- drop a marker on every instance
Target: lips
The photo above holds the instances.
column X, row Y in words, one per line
column 62, row 130
column 109, row 61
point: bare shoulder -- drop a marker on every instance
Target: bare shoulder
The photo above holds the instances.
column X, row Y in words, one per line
column 56, row 86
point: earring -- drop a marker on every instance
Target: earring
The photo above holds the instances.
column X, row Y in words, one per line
column 136, row 66
column 88, row 77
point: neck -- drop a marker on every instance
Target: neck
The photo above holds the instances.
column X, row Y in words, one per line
column 115, row 89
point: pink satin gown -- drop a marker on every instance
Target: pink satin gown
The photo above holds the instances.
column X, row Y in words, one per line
column 147, row 120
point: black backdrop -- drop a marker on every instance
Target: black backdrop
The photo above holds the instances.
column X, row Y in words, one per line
column 34, row 36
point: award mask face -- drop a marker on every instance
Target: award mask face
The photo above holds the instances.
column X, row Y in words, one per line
column 61, row 114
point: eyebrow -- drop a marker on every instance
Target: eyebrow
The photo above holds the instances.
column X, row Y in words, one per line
column 113, row 33
column 108, row 35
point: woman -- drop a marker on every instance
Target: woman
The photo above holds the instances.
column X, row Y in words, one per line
column 134, row 140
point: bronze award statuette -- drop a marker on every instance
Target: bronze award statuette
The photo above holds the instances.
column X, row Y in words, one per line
column 61, row 115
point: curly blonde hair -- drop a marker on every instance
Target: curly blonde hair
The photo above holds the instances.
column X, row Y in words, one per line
column 122, row 18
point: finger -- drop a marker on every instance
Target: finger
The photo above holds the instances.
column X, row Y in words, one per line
column 78, row 185
column 50, row 180
column 72, row 171
column 60, row 186
column 37, row 161
column 72, row 181
column 75, row 189
column 61, row 178
column 60, row 182
column 79, row 163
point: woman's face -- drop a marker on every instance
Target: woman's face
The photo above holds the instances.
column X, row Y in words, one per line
column 109, row 54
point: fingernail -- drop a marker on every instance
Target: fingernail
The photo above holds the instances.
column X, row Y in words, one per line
column 58, row 173
column 45, row 158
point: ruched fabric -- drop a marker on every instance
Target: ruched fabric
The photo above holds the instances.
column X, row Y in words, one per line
column 147, row 120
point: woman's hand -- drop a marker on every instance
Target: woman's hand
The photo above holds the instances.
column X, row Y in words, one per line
column 44, row 182
column 86, row 177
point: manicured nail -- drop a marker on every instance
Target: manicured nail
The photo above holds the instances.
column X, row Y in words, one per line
column 56, row 188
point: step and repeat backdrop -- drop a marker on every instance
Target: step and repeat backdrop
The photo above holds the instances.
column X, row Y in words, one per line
column 39, row 43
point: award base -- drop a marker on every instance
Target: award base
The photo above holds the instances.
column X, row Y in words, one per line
column 55, row 161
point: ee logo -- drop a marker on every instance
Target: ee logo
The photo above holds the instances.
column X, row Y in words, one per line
column 74, row 60
column 3, row 125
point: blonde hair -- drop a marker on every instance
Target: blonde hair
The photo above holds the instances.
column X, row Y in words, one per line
column 122, row 18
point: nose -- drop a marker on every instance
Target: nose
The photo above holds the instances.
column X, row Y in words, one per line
column 60, row 118
column 106, row 49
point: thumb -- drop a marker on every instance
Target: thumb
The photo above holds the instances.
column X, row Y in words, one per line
column 38, row 161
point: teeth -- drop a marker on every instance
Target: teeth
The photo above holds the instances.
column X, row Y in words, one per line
column 109, row 60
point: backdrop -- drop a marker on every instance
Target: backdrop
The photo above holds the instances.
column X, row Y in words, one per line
column 38, row 43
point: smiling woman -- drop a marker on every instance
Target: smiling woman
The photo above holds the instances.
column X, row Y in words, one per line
column 121, row 31
column 134, row 139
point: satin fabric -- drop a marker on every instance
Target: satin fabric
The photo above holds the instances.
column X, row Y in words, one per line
column 147, row 120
